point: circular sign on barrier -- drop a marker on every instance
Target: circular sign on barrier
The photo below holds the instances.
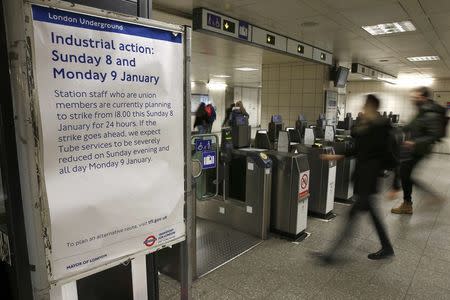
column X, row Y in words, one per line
column 305, row 180
column 150, row 241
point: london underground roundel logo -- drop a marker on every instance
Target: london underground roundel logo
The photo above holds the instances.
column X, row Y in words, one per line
column 150, row 241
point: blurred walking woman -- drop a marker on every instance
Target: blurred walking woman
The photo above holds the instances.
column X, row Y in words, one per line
column 201, row 119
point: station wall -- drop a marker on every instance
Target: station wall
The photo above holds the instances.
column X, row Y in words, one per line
column 393, row 97
column 291, row 89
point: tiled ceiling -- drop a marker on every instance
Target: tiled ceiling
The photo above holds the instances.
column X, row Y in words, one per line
column 338, row 30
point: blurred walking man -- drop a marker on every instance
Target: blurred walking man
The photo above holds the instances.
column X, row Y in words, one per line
column 421, row 133
column 373, row 156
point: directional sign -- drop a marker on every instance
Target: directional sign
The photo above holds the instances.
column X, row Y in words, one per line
column 229, row 26
column 202, row 145
column 243, row 30
column 211, row 21
column 209, row 159
column 214, row 20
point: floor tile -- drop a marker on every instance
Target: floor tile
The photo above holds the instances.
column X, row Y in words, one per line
column 280, row 269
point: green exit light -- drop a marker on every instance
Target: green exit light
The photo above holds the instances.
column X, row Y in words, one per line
column 270, row 39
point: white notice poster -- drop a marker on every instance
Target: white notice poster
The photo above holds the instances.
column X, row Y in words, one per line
column 110, row 96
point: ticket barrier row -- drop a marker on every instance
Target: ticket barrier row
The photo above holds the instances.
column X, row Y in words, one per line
column 321, row 175
column 320, row 135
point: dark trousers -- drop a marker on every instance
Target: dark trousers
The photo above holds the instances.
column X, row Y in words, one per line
column 406, row 169
column 363, row 203
column 397, row 184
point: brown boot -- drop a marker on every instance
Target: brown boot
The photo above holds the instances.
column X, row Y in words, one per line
column 405, row 208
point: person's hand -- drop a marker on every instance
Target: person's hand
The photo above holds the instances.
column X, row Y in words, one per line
column 409, row 144
column 329, row 157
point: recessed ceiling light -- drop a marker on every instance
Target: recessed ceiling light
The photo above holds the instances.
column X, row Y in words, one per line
column 366, row 78
column 423, row 58
column 216, row 86
column 414, row 80
column 383, row 60
column 246, row 69
column 309, row 24
column 388, row 28
column 221, row 76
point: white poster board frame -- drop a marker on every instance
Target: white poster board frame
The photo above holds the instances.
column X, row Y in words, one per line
column 43, row 201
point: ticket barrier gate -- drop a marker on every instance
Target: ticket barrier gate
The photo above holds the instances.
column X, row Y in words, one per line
column 290, row 189
column 244, row 189
column 275, row 125
column 322, row 181
column 342, row 145
column 344, row 168
column 232, row 221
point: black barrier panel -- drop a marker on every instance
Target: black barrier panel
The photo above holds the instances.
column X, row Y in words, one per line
column 121, row 6
column 152, row 277
column 112, row 284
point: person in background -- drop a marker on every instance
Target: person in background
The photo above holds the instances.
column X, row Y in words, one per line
column 242, row 110
column 211, row 112
column 372, row 154
column 421, row 133
column 201, row 119
column 238, row 109
column 226, row 121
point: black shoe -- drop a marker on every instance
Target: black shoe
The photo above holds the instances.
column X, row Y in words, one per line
column 383, row 253
column 324, row 258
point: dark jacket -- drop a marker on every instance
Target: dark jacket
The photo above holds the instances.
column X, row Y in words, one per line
column 201, row 118
column 371, row 151
column 425, row 129
column 226, row 121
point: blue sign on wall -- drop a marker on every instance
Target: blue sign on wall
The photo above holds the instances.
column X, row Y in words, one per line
column 209, row 159
column 202, row 145
column 214, row 20
column 243, row 30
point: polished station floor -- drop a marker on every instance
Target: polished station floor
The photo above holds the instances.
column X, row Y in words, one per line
column 279, row 269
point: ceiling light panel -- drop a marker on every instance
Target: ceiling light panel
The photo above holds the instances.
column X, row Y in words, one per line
column 246, row 69
column 221, row 76
column 423, row 58
column 388, row 28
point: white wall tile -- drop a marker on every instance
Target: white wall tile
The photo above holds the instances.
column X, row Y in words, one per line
column 274, row 73
column 284, row 100
column 296, row 100
column 297, row 72
column 285, row 86
column 309, row 72
column 296, row 86
column 285, row 72
column 309, row 100
column 309, row 86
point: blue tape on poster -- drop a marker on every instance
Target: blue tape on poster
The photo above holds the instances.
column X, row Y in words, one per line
column 62, row 17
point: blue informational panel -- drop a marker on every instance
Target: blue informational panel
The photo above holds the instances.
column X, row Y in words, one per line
column 209, row 160
column 202, row 145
